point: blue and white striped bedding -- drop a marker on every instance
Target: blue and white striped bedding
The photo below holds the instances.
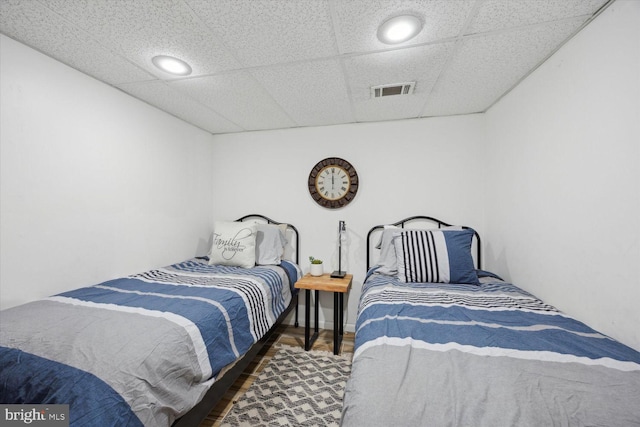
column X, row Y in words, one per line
column 487, row 355
column 140, row 350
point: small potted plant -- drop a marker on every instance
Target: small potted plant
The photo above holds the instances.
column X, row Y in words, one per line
column 316, row 266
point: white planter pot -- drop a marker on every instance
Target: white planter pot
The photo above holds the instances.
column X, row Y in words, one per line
column 316, row 269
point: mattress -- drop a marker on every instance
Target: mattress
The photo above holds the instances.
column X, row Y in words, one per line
column 143, row 349
column 482, row 355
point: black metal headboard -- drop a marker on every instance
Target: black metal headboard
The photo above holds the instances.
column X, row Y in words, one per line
column 296, row 248
column 420, row 218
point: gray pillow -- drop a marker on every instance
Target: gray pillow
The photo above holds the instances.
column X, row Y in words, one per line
column 270, row 243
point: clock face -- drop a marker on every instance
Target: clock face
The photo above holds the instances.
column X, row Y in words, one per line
column 333, row 182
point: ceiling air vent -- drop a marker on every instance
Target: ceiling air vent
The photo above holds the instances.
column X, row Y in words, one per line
column 392, row 89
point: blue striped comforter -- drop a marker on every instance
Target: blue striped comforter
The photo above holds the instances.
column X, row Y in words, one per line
column 140, row 350
column 450, row 354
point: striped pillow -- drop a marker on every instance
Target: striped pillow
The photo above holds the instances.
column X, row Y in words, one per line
column 435, row 256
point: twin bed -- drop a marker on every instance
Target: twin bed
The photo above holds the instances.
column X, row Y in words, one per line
column 156, row 348
column 440, row 342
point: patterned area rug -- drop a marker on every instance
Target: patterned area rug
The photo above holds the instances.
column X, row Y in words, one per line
column 296, row 387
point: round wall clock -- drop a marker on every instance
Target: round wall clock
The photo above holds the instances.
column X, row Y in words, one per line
column 333, row 182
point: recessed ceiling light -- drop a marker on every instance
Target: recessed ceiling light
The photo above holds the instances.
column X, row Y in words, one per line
column 399, row 29
column 171, row 65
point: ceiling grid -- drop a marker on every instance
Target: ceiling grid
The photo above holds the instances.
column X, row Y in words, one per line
column 271, row 64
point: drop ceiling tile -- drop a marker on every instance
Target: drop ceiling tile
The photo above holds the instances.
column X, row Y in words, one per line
column 238, row 97
column 262, row 32
column 313, row 93
column 142, row 29
column 501, row 14
column 390, row 108
column 421, row 64
column 38, row 27
column 357, row 21
column 476, row 77
column 162, row 96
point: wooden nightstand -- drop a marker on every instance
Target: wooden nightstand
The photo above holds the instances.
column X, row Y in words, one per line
column 339, row 286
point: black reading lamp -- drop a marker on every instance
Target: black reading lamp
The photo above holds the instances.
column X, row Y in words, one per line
column 339, row 273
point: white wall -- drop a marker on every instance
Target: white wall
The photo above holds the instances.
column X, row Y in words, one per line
column 563, row 189
column 94, row 184
column 410, row 167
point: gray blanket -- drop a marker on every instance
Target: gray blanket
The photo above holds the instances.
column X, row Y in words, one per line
column 140, row 350
column 488, row 355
